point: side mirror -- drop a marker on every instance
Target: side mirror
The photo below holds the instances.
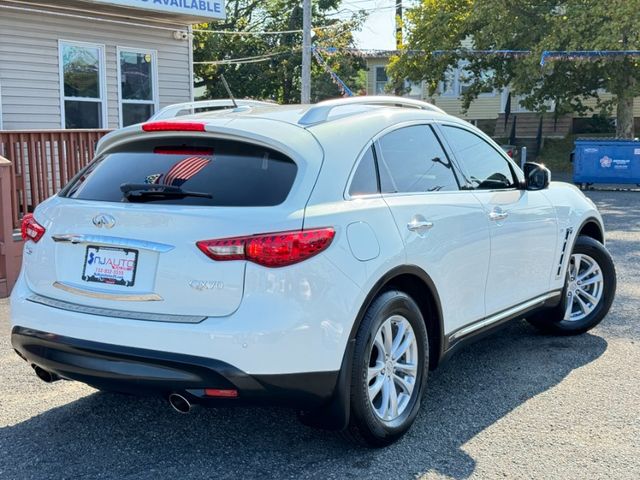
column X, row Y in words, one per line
column 536, row 176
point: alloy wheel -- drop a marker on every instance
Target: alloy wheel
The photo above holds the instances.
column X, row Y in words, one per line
column 585, row 286
column 393, row 367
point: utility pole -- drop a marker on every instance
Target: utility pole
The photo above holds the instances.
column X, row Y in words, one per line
column 305, row 96
column 399, row 39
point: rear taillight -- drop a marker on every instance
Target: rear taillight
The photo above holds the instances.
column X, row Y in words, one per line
column 30, row 229
column 271, row 249
column 173, row 126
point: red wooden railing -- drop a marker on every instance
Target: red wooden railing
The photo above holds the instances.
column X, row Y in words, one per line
column 42, row 162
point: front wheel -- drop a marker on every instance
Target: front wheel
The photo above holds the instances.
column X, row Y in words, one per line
column 389, row 370
column 588, row 293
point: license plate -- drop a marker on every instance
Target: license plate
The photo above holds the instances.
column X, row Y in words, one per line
column 113, row 266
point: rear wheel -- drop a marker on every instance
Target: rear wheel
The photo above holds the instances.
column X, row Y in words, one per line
column 389, row 370
column 588, row 293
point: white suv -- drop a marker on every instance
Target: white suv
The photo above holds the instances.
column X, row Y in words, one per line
column 325, row 257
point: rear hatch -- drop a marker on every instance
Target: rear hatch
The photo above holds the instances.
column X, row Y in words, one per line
column 123, row 233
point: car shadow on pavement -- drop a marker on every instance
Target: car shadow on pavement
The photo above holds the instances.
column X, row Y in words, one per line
column 116, row 436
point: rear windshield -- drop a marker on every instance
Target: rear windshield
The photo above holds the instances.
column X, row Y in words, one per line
column 199, row 172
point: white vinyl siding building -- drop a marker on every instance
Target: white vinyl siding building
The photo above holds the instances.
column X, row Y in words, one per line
column 121, row 64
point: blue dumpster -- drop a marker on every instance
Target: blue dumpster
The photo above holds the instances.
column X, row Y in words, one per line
column 606, row 160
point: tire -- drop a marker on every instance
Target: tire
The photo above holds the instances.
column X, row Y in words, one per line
column 553, row 320
column 366, row 426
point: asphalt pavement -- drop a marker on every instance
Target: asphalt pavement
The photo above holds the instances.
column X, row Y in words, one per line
column 515, row 405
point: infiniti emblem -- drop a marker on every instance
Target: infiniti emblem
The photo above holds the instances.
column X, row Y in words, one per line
column 104, row 220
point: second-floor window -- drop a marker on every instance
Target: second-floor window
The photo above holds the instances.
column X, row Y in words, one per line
column 458, row 80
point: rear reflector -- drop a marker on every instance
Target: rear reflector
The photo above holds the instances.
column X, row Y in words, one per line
column 30, row 229
column 173, row 126
column 271, row 249
column 216, row 392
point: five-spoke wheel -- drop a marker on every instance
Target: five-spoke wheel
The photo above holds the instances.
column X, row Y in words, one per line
column 590, row 287
column 393, row 366
column 389, row 369
column 585, row 286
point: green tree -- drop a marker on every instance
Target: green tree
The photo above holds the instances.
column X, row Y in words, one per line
column 537, row 26
column 273, row 67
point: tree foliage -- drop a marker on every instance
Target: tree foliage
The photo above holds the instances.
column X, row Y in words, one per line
column 537, row 26
column 278, row 78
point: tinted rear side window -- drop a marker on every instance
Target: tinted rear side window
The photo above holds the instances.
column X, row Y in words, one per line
column 233, row 174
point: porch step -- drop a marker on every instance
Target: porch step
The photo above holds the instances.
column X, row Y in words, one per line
column 527, row 125
column 4, row 288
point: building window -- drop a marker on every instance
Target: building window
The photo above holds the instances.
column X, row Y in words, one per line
column 457, row 81
column 414, row 89
column 448, row 86
column 137, row 71
column 381, row 80
column 82, row 85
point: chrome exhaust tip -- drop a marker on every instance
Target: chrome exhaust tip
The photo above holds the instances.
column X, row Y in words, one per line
column 44, row 375
column 179, row 403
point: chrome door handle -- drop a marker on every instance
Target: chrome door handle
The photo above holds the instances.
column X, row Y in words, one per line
column 498, row 214
column 419, row 225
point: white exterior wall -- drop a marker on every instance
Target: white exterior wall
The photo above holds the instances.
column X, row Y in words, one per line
column 29, row 64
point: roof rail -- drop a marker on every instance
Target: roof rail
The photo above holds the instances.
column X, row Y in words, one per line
column 320, row 112
column 175, row 110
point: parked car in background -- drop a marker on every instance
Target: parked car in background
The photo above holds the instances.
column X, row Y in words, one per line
column 324, row 257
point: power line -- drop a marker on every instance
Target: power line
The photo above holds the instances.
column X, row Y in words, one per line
column 272, row 32
column 262, row 57
column 253, row 59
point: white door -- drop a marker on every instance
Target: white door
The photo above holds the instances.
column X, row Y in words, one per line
column 523, row 224
column 444, row 229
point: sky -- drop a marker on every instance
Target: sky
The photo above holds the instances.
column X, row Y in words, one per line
column 378, row 31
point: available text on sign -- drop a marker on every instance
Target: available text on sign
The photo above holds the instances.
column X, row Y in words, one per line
column 206, row 9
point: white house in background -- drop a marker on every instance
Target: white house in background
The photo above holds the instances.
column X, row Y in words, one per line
column 98, row 64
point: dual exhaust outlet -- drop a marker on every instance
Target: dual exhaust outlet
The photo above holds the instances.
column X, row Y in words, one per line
column 178, row 402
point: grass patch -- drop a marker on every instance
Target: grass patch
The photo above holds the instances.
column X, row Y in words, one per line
column 556, row 151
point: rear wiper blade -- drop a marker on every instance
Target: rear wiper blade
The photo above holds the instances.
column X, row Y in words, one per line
column 147, row 191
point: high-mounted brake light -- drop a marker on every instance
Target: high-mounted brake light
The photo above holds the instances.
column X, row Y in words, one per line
column 271, row 249
column 166, row 126
column 183, row 151
column 30, row 229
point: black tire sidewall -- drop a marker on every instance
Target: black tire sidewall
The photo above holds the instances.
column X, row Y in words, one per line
column 555, row 320
column 373, row 429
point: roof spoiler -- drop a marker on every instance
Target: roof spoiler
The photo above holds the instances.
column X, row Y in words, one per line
column 190, row 108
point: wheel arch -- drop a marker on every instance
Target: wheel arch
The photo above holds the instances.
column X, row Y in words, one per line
column 418, row 284
column 591, row 227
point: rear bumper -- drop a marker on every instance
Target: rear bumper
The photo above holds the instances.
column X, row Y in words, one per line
column 142, row 371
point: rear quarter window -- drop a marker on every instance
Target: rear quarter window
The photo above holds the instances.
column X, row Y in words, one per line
column 231, row 173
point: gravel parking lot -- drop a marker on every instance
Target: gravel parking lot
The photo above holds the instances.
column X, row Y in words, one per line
column 515, row 405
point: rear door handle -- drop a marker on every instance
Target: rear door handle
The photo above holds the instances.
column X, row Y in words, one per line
column 416, row 225
column 498, row 214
